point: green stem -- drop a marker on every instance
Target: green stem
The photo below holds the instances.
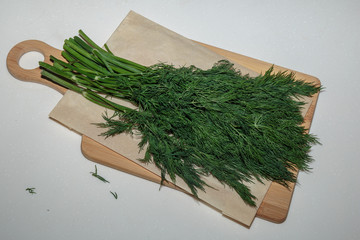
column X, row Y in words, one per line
column 91, row 64
column 94, row 45
column 96, row 98
column 61, row 82
column 98, row 54
column 78, row 69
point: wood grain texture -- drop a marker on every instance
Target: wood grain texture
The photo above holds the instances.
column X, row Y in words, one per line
column 32, row 75
column 276, row 203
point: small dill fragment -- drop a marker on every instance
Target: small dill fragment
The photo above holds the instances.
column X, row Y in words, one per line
column 31, row 190
column 95, row 174
column 114, row 194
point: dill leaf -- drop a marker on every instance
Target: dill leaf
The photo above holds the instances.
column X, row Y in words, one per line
column 95, row 174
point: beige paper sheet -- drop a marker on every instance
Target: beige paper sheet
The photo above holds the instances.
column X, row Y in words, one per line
column 146, row 42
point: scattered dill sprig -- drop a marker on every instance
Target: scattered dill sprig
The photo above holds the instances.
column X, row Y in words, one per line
column 114, row 194
column 95, row 174
column 31, row 190
column 195, row 122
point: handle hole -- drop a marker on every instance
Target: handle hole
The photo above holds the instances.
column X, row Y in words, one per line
column 30, row 60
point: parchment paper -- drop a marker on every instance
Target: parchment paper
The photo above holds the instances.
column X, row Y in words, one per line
column 146, row 42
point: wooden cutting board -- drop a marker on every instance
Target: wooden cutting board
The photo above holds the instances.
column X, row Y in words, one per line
column 276, row 203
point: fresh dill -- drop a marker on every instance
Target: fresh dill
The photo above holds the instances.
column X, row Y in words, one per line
column 195, row 122
column 31, row 190
column 95, row 174
column 114, row 194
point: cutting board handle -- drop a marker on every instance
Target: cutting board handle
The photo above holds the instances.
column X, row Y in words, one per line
column 32, row 75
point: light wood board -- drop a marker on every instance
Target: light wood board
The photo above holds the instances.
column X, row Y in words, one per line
column 276, row 203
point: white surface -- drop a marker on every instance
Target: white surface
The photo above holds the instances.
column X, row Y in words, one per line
column 320, row 38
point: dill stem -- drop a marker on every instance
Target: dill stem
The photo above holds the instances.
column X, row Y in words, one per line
column 96, row 98
column 94, row 45
column 61, row 82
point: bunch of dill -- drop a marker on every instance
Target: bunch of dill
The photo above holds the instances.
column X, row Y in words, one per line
column 195, row 122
